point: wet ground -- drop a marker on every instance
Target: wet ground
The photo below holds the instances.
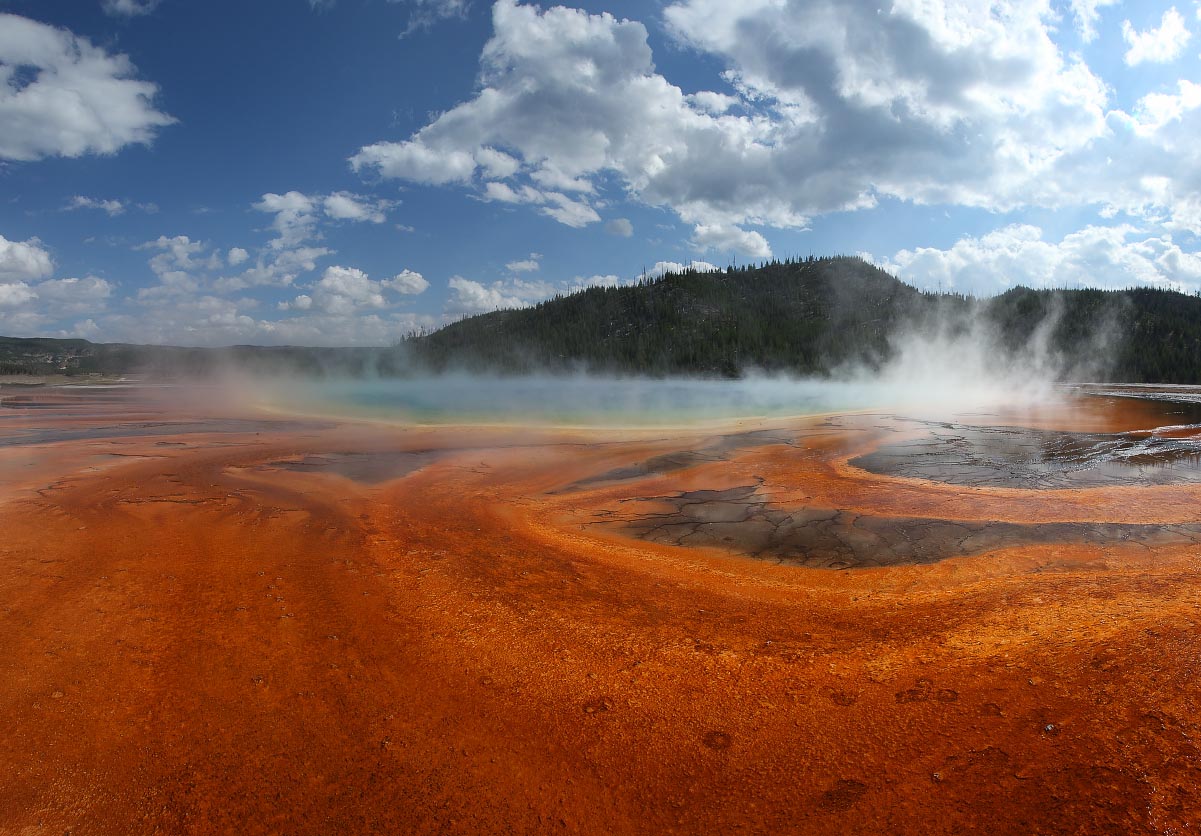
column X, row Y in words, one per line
column 218, row 621
column 744, row 521
column 1018, row 457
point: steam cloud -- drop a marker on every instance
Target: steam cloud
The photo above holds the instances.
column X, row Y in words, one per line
column 954, row 359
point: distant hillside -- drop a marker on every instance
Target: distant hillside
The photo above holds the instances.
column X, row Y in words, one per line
column 804, row 317
column 811, row 316
column 40, row 356
column 816, row 316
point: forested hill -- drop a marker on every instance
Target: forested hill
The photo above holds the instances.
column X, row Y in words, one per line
column 817, row 316
column 804, row 316
column 812, row 316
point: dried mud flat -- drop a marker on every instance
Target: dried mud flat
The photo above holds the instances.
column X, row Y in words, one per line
column 223, row 622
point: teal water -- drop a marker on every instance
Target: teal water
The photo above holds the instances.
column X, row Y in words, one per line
column 583, row 401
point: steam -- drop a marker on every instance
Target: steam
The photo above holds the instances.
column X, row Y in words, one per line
column 951, row 357
column 962, row 362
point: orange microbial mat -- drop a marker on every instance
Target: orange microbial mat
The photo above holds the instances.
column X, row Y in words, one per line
column 220, row 620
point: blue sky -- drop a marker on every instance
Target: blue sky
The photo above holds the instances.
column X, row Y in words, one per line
column 345, row 171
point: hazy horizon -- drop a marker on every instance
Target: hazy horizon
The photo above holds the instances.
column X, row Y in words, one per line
column 345, row 171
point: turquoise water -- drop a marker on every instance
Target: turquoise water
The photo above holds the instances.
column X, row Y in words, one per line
column 583, row 401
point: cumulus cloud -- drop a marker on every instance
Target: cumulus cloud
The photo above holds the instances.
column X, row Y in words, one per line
column 496, row 164
column 573, row 213
column 565, row 210
column 110, row 207
column 730, row 238
column 525, row 265
column 1154, row 111
column 344, row 291
column 177, row 252
column 416, row 162
column 62, row 96
column 468, row 297
column 472, row 297
column 1096, row 256
column 1087, row 13
column 74, row 297
column 23, row 261
column 16, row 294
column 37, row 307
column 295, row 217
column 662, row 268
column 1159, row 44
column 620, row 227
column 208, row 320
column 830, row 106
column 297, row 214
column 407, row 282
column 344, row 206
column 185, row 267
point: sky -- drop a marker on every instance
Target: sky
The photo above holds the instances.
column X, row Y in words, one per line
column 346, row 172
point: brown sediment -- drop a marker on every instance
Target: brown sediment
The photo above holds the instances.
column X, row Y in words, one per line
column 220, row 623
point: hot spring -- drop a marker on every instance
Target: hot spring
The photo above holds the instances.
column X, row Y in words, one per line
column 574, row 401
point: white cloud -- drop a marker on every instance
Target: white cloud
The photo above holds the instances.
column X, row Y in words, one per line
column 16, row 295
column 1096, row 256
column 27, row 308
column 185, row 267
column 712, row 103
column 111, row 207
column 425, row 13
column 1155, row 110
column 525, row 265
column 416, row 162
column 550, row 176
column 662, row 268
column 86, row 329
column 1087, row 13
column 727, row 237
column 22, row 261
column 407, row 282
column 620, row 227
column 295, row 218
column 470, row 297
column 505, row 193
column 297, row 214
column 62, row 96
column 209, row 320
column 345, row 206
column 834, row 104
column 75, row 297
column 129, row 8
column 573, row 213
column 273, row 267
column 175, row 253
column 608, row 280
column 1156, row 45
column 496, row 164
column 344, row 291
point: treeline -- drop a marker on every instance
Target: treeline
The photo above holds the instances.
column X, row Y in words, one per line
column 812, row 316
column 40, row 356
column 817, row 316
column 804, row 317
